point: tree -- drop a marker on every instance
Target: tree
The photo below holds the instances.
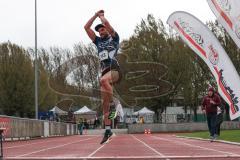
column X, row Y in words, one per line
column 185, row 71
column 16, row 82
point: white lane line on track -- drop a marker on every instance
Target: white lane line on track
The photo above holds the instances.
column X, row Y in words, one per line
column 44, row 141
column 23, row 145
column 127, row 157
column 196, row 146
column 94, row 152
column 54, row 147
column 154, row 150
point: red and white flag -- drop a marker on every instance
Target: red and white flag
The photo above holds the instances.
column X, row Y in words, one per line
column 206, row 45
column 228, row 14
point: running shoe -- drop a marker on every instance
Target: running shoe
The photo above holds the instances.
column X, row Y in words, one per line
column 113, row 113
column 108, row 133
column 211, row 138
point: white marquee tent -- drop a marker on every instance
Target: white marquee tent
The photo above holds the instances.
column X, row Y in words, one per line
column 146, row 113
column 85, row 110
column 143, row 111
column 58, row 111
column 85, row 113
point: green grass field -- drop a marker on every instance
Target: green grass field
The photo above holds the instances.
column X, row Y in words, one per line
column 227, row 135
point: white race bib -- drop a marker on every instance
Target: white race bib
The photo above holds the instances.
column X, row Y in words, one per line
column 103, row 55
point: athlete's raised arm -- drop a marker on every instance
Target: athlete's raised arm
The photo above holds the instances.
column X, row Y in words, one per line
column 106, row 23
column 88, row 25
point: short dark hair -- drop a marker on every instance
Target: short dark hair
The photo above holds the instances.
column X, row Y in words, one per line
column 98, row 27
column 211, row 89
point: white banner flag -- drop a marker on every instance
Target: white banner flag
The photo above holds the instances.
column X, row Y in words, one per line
column 205, row 44
column 228, row 14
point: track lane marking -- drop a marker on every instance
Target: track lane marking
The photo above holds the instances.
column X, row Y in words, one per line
column 126, row 157
column 146, row 145
column 94, row 152
column 34, row 143
column 59, row 146
column 196, row 146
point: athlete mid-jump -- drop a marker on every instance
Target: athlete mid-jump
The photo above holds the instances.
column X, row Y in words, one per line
column 107, row 45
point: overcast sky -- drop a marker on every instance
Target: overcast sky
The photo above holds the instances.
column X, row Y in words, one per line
column 61, row 22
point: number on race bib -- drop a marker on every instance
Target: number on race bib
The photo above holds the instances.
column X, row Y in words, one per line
column 103, row 55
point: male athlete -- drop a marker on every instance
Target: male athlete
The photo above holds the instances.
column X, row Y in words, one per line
column 107, row 45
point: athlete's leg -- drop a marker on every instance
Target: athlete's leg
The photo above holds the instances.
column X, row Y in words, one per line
column 107, row 92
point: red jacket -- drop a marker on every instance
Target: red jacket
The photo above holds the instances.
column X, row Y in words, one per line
column 209, row 107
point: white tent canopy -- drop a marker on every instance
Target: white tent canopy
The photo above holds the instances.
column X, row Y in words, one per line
column 146, row 113
column 143, row 111
column 85, row 110
column 57, row 110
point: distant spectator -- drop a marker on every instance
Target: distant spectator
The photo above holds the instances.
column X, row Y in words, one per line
column 134, row 121
column 86, row 124
column 80, row 127
column 141, row 120
column 116, row 121
column 96, row 122
column 57, row 118
column 209, row 107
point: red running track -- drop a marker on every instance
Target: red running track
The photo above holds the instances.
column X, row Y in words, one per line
column 131, row 146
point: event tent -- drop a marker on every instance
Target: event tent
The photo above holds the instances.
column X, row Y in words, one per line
column 85, row 110
column 143, row 111
column 146, row 114
column 58, row 111
column 85, row 113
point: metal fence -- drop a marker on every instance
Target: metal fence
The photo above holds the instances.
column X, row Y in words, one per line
column 185, row 118
column 30, row 128
column 175, row 118
column 181, row 118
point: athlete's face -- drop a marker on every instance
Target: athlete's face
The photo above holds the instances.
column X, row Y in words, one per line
column 103, row 32
column 210, row 93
